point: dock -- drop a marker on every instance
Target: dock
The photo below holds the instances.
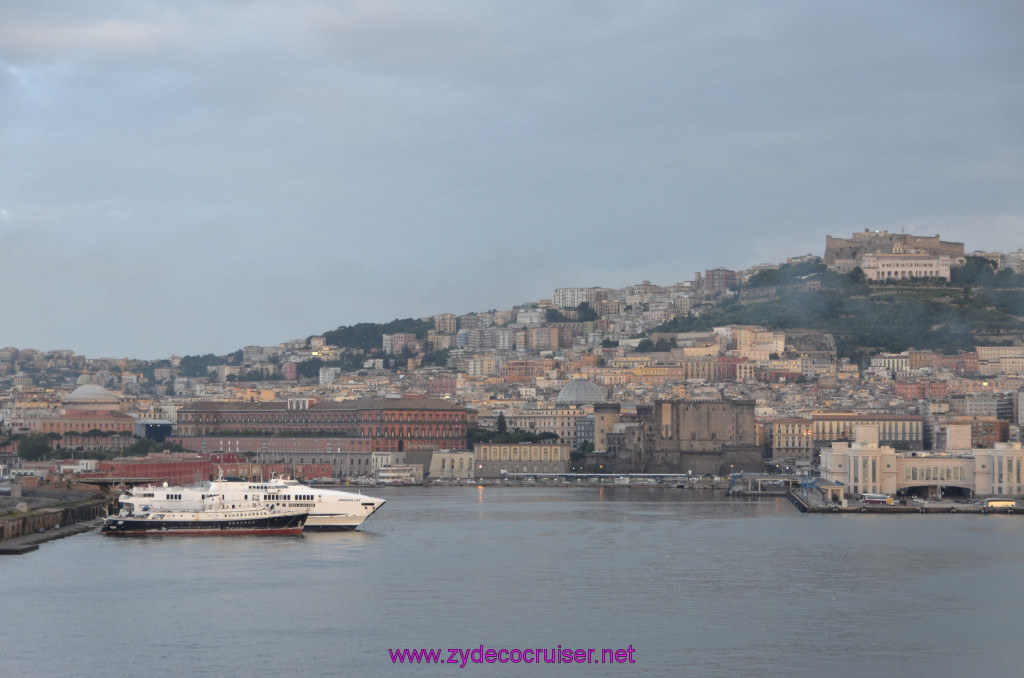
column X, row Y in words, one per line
column 944, row 507
column 31, row 541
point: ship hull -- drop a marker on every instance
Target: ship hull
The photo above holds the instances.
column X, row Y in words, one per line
column 335, row 522
column 138, row 526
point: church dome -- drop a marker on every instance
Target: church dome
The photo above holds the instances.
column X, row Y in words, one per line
column 580, row 392
column 91, row 396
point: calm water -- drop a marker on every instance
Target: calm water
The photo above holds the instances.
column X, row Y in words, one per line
column 698, row 584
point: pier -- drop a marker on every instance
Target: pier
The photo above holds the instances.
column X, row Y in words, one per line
column 808, row 504
column 41, row 516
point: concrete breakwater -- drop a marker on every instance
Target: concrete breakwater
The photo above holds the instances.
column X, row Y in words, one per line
column 49, row 522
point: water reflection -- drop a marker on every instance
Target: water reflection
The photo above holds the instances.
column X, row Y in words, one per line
column 698, row 583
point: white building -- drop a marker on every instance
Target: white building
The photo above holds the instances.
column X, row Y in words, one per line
column 865, row 467
column 901, row 265
column 571, row 297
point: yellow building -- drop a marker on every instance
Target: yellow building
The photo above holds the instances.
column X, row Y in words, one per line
column 495, row 460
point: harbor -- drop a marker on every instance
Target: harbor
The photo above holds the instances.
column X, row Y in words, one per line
column 691, row 575
column 30, row 521
column 29, row 542
column 29, row 517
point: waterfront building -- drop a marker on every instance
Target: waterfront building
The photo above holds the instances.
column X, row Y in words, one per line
column 677, row 436
column 866, row 467
column 169, row 468
column 496, row 459
column 406, row 474
column 346, row 457
column 394, row 424
column 451, row 465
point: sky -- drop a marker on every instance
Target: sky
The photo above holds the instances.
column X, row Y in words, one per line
column 185, row 177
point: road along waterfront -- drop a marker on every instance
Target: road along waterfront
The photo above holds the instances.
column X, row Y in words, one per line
column 697, row 583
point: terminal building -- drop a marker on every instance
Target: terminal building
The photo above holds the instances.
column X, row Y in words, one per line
column 865, row 467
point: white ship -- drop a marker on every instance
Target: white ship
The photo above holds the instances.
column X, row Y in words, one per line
column 164, row 510
column 328, row 509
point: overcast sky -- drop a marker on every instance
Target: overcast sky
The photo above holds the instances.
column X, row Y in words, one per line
column 192, row 177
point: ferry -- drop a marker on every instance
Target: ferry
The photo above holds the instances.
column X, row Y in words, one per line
column 210, row 515
column 328, row 509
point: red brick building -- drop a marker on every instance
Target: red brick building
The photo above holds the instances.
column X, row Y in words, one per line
column 384, row 424
column 959, row 364
column 921, row 390
column 175, row 470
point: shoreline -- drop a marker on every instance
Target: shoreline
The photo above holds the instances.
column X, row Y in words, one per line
column 30, row 542
column 27, row 543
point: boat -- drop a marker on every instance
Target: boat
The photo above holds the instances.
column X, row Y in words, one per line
column 215, row 515
column 328, row 509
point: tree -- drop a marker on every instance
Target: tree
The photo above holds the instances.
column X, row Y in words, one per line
column 140, row 448
column 555, row 316
column 500, row 425
column 584, row 313
column 857, row 277
column 367, row 336
column 34, row 446
column 439, row 358
column 664, row 345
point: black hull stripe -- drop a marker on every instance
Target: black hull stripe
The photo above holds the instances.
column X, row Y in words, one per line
column 242, row 526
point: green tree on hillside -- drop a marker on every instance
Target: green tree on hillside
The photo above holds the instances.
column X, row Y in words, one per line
column 368, row 336
column 34, row 446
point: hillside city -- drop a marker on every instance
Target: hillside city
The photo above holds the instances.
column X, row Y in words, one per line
column 638, row 380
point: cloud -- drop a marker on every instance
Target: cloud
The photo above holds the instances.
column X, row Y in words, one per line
column 363, row 160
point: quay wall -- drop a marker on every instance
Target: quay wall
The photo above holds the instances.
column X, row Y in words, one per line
column 19, row 524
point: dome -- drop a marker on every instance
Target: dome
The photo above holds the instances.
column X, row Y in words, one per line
column 91, row 394
column 580, row 392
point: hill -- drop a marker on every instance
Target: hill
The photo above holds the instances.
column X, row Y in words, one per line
column 977, row 306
